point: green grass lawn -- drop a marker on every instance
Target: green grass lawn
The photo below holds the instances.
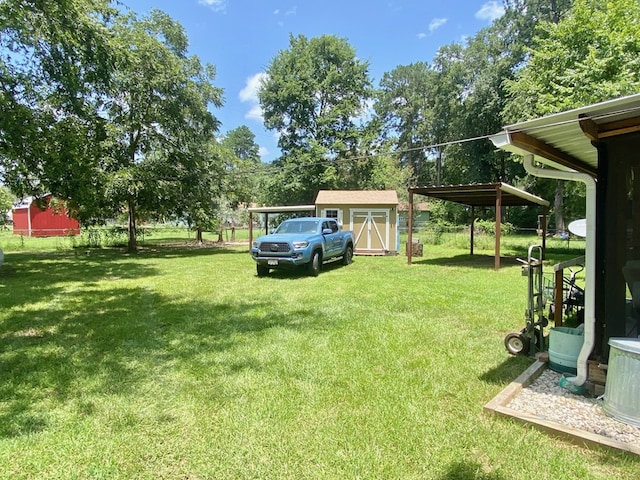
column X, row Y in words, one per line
column 180, row 363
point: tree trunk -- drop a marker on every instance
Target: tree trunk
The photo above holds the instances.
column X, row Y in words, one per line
column 199, row 235
column 132, row 246
column 558, row 206
column 220, row 239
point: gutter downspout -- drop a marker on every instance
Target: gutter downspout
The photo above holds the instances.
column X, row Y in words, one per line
column 590, row 259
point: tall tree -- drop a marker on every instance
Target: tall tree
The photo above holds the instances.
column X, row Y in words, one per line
column 158, row 118
column 56, row 62
column 244, row 173
column 589, row 55
column 405, row 107
column 313, row 96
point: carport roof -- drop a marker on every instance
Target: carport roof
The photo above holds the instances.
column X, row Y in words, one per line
column 481, row 195
column 282, row 209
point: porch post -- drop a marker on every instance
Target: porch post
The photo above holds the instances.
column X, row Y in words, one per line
column 498, row 223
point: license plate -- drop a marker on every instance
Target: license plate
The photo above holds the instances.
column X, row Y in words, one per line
column 272, row 262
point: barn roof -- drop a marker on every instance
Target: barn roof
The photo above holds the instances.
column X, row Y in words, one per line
column 357, row 197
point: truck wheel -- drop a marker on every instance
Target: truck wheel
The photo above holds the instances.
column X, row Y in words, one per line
column 315, row 265
column 348, row 255
column 262, row 270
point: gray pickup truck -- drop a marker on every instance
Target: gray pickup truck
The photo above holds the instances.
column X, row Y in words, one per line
column 303, row 242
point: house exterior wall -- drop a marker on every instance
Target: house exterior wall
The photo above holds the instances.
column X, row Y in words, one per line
column 617, row 241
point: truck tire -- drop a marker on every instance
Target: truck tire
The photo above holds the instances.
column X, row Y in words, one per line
column 262, row 271
column 316, row 264
column 347, row 258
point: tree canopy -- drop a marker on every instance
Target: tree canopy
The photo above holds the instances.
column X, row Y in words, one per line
column 109, row 111
column 589, row 56
column 105, row 110
column 315, row 95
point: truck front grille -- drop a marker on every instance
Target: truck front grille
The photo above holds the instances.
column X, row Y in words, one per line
column 274, row 247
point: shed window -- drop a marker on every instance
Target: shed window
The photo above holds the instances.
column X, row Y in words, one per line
column 331, row 213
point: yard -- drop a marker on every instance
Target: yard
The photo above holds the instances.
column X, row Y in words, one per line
column 180, row 363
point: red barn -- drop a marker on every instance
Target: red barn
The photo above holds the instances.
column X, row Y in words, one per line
column 31, row 221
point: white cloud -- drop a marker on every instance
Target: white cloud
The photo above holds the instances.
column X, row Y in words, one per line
column 490, row 11
column 436, row 23
column 250, row 91
column 422, row 35
column 249, row 94
column 263, row 151
column 215, row 5
column 254, row 113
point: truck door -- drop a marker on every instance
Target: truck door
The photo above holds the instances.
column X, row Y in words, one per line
column 333, row 241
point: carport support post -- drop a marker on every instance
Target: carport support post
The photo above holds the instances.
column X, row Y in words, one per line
column 473, row 219
column 498, row 223
column 250, row 230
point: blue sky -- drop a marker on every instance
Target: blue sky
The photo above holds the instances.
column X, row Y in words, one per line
column 241, row 37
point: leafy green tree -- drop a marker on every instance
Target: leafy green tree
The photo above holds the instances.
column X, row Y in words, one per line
column 589, row 55
column 158, row 124
column 313, row 96
column 405, row 107
column 244, row 174
column 6, row 202
column 242, row 142
column 56, row 61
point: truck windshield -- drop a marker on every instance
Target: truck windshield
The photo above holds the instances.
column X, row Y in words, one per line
column 297, row 227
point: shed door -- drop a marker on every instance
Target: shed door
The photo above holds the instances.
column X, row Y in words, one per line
column 371, row 229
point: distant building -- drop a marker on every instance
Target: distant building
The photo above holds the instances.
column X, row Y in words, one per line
column 31, row 221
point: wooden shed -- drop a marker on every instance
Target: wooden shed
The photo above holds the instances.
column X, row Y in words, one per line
column 371, row 214
column 32, row 221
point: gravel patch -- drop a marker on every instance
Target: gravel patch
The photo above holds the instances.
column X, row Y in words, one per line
column 545, row 399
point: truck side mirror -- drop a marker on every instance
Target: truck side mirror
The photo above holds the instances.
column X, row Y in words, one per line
column 327, row 231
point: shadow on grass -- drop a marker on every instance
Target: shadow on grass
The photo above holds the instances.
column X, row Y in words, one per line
column 507, row 371
column 464, row 470
column 472, row 261
column 291, row 273
column 63, row 345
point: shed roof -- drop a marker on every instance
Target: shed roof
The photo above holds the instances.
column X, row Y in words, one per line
column 481, row 194
column 564, row 139
column 357, row 197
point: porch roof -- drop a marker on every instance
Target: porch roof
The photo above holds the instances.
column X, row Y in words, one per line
column 565, row 139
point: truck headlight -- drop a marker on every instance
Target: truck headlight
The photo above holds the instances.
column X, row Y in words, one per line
column 255, row 244
column 300, row 245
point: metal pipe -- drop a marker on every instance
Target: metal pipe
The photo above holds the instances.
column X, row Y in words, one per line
column 590, row 259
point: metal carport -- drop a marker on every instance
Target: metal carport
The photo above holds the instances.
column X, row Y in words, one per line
column 496, row 195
